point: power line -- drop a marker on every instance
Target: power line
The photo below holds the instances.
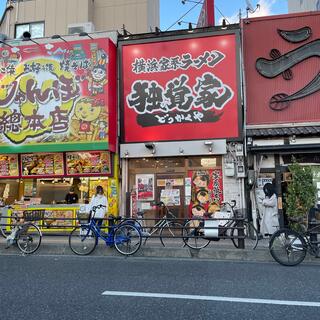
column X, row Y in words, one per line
column 221, row 14
column 197, row 3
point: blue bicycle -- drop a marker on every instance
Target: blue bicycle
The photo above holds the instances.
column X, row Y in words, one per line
column 125, row 236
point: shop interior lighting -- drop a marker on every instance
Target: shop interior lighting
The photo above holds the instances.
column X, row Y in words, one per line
column 85, row 34
column 57, row 36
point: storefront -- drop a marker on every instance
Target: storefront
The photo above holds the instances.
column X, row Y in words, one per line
column 181, row 122
column 282, row 94
column 58, row 125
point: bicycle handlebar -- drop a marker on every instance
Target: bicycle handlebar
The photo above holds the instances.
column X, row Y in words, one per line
column 94, row 208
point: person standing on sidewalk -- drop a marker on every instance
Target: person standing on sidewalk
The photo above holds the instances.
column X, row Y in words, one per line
column 99, row 199
column 270, row 220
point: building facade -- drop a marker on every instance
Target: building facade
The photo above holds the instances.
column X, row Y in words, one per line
column 44, row 18
column 181, row 121
column 282, row 100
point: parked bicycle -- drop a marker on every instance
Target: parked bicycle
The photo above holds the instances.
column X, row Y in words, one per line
column 170, row 231
column 197, row 235
column 25, row 234
column 289, row 247
column 124, row 235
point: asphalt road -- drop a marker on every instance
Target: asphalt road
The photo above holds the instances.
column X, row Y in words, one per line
column 71, row 287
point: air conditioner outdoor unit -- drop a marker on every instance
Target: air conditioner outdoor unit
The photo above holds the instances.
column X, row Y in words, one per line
column 80, row 27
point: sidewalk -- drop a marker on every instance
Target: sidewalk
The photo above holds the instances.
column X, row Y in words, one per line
column 216, row 250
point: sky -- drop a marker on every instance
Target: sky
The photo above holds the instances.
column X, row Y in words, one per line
column 173, row 10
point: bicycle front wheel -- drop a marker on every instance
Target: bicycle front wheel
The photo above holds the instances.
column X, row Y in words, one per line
column 171, row 235
column 193, row 234
column 29, row 238
column 82, row 240
column 127, row 239
column 250, row 234
column 287, row 247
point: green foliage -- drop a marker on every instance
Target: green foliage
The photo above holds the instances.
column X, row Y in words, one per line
column 301, row 192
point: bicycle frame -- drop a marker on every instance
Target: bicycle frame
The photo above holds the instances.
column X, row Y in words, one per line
column 107, row 237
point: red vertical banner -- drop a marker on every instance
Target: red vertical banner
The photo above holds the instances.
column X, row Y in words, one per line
column 206, row 17
column 206, row 191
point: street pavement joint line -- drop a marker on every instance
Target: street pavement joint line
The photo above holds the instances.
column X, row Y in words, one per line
column 210, row 298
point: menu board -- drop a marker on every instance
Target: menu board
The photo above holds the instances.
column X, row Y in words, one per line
column 88, row 163
column 9, row 167
column 42, row 164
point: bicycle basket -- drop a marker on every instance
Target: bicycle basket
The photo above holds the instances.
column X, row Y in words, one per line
column 83, row 217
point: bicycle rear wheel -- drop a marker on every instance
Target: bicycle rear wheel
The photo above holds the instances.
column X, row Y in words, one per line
column 82, row 240
column 251, row 235
column 287, row 247
column 171, row 235
column 127, row 239
column 29, row 238
column 193, row 234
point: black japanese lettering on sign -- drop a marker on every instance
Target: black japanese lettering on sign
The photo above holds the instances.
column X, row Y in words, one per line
column 209, row 93
column 183, row 62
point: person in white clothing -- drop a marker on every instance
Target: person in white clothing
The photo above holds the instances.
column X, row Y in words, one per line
column 270, row 220
column 99, row 199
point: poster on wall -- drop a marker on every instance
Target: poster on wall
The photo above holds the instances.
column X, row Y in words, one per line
column 145, row 186
column 88, row 163
column 57, row 94
column 170, row 197
column 206, row 191
column 42, row 164
column 9, row 167
column 169, row 87
column 112, row 196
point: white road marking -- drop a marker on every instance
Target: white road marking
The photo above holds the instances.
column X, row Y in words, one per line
column 211, row 298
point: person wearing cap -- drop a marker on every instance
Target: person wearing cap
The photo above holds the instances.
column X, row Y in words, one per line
column 71, row 196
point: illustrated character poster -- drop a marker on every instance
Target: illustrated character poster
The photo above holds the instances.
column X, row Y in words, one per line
column 172, row 87
column 56, row 93
column 206, row 191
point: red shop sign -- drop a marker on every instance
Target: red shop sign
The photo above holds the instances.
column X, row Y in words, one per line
column 281, row 60
column 183, row 89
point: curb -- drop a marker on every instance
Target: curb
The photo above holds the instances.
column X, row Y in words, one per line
column 221, row 253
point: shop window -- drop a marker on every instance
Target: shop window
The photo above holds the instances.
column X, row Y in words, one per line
column 36, row 29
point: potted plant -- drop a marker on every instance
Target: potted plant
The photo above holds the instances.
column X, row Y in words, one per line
column 301, row 195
